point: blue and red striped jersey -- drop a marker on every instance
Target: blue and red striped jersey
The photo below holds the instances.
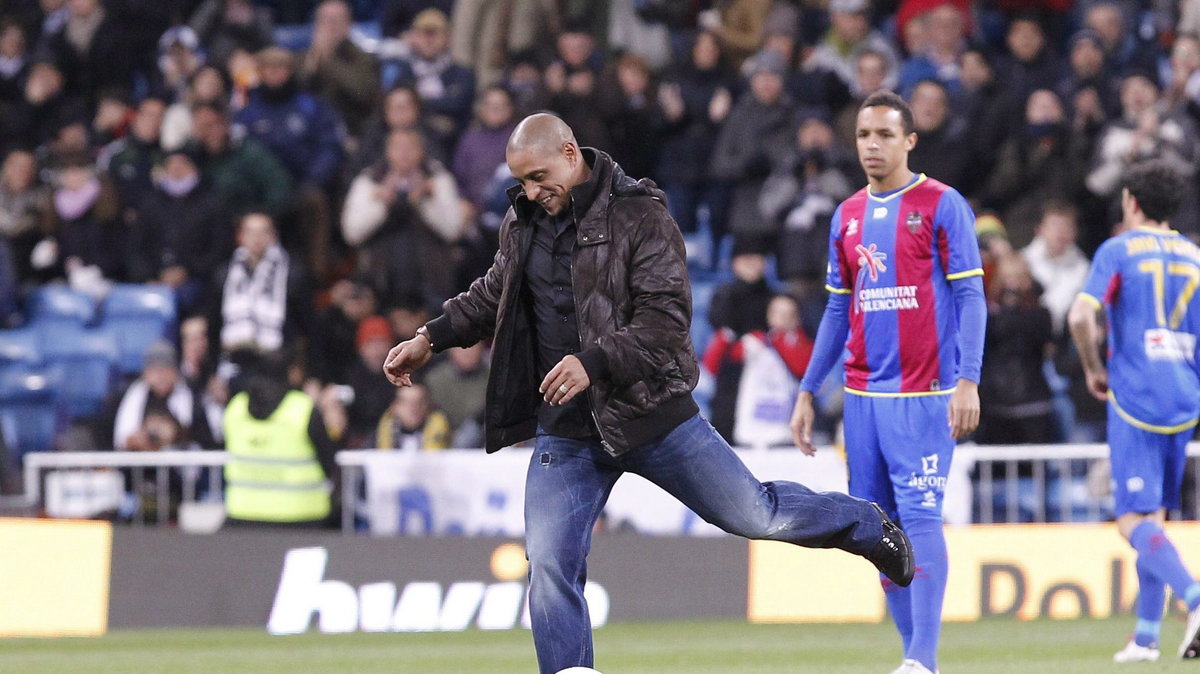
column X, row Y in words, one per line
column 895, row 254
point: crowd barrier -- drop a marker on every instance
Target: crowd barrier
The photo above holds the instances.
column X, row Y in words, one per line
column 464, row 492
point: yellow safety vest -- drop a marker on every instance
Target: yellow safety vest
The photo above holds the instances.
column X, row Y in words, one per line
column 273, row 474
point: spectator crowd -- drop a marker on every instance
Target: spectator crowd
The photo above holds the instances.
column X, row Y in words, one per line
column 315, row 178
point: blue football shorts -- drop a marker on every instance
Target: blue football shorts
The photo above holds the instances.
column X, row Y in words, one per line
column 1147, row 467
column 898, row 452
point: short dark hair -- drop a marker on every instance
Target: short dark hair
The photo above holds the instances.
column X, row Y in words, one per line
column 1157, row 187
column 887, row 98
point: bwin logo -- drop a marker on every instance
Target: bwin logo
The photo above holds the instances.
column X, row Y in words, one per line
column 421, row 607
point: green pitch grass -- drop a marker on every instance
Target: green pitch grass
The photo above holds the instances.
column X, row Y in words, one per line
column 986, row 647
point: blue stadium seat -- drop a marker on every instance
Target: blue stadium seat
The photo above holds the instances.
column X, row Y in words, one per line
column 138, row 315
column 29, row 411
column 84, row 361
column 702, row 294
column 19, row 350
column 53, row 306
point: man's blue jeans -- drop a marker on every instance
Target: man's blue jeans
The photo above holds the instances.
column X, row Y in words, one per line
column 570, row 480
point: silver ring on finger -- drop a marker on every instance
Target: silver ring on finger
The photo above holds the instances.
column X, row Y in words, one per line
column 564, row 389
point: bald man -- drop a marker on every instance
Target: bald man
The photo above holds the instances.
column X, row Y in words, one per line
column 589, row 306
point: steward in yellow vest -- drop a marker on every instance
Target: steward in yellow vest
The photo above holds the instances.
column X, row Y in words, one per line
column 274, row 474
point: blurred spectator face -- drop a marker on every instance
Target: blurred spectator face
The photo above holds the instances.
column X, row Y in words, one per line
column 784, row 45
column 178, row 167
column 976, row 72
column 1014, row 284
column 495, row 109
column 374, row 351
column 1138, row 94
column 275, row 67
column 766, row 86
column 401, row 109
column 45, row 82
column 1107, row 21
column 208, row 86
column 574, row 49
column 814, row 133
column 1025, row 39
column 405, row 321
column 1043, row 107
column 71, row 138
column 468, row 359
column 51, row 6
column 256, row 233
column 211, row 129
column 12, row 41
column 1087, row 59
column 917, row 36
column 633, row 75
column 331, row 23
column 749, row 267
column 147, row 123
column 1185, row 54
column 706, row 53
column 849, row 27
column 404, row 152
column 193, row 339
column 19, row 170
column 161, row 378
column 356, row 300
column 1059, row 230
column 411, row 406
column 945, row 28
column 929, row 106
column 782, row 314
column 429, row 41
column 870, row 70
column 82, row 8
column 75, row 177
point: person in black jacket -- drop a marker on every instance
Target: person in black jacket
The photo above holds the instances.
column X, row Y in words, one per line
column 589, row 306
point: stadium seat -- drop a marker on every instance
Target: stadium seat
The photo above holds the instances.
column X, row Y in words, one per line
column 19, row 350
column 138, row 315
column 84, row 361
column 29, row 412
column 702, row 294
column 52, row 306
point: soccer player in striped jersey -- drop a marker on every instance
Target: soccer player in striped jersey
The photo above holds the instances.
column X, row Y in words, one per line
column 906, row 303
column 1146, row 279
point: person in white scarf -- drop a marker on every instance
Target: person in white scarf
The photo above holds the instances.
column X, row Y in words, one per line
column 254, row 298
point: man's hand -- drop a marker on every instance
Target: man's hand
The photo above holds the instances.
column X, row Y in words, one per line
column 802, row 422
column 1097, row 383
column 964, row 409
column 564, row 381
column 405, row 358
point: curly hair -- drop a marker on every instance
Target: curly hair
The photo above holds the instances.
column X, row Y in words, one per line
column 1157, row 187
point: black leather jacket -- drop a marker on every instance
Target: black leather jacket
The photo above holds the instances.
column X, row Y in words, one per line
column 634, row 305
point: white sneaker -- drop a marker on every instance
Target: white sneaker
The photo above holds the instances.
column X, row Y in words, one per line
column 912, row 667
column 1134, row 653
column 1190, row 647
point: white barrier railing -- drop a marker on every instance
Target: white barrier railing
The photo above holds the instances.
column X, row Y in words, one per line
column 162, row 462
column 999, row 483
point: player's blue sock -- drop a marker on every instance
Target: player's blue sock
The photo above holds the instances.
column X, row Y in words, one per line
column 1149, row 606
column 899, row 602
column 1160, row 558
column 928, row 589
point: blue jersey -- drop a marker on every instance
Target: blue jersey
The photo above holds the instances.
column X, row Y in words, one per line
column 1146, row 278
column 895, row 254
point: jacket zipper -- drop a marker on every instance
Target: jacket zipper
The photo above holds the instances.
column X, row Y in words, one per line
column 591, row 403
